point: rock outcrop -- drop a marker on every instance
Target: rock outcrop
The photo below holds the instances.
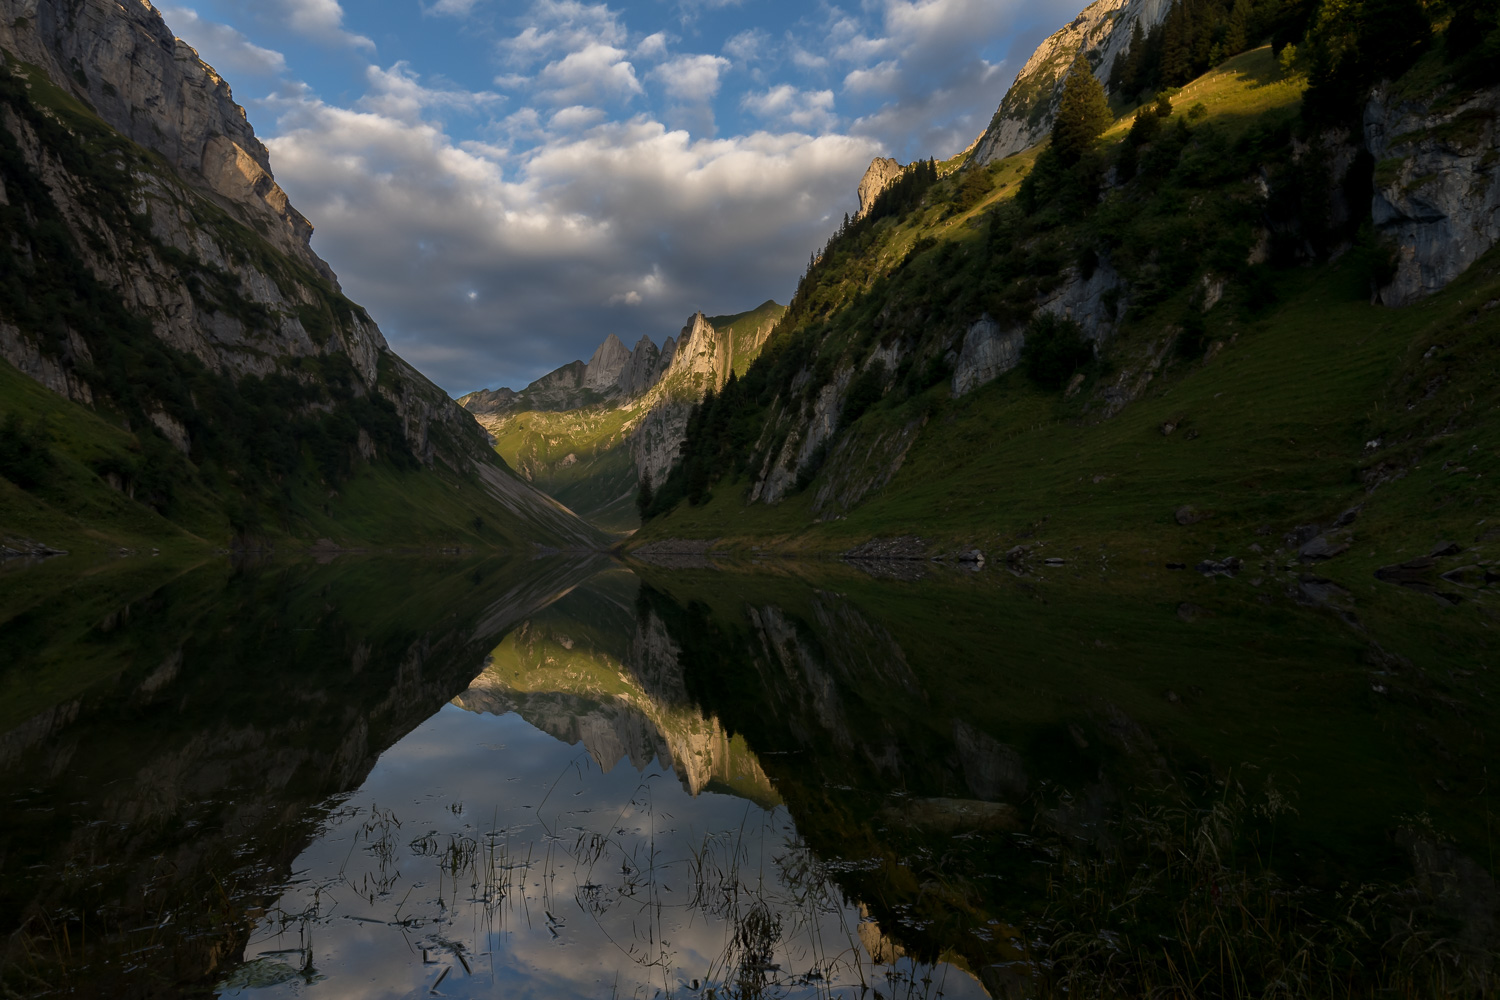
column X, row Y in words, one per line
column 1101, row 33
column 1437, row 187
column 805, row 445
column 487, row 401
column 882, row 174
column 644, row 368
column 701, row 360
column 987, row 353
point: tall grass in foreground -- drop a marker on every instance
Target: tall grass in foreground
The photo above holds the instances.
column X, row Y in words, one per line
column 1189, row 916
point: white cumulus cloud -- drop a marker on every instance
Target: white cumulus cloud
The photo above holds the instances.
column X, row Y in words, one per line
column 805, row 109
column 415, row 221
column 595, row 73
column 691, row 78
column 320, row 21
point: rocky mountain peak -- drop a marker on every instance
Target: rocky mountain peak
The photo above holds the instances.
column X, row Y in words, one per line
column 1101, row 33
column 644, row 367
column 882, row 174
column 610, row 359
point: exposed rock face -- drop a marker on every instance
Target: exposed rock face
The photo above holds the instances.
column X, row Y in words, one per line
column 153, row 88
column 602, row 373
column 658, row 438
column 881, row 175
column 700, row 359
column 699, row 350
column 779, row 476
column 988, row 352
column 487, row 401
column 1092, row 302
column 1102, row 33
column 1437, row 186
column 643, row 370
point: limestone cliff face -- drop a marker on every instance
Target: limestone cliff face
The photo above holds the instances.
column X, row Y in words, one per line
column 152, row 88
column 1437, row 187
column 702, row 359
column 643, row 370
column 881, row 175
column 1102, row 33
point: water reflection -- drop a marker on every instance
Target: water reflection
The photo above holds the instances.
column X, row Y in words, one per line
column 485, row 857
column 552, row 779
column 582, row 830
column 197, row 722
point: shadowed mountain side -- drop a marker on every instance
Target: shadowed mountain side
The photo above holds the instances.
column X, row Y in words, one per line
column 204, row 378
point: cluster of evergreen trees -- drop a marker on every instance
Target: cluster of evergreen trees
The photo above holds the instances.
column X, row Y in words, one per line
column 1196, row 35
column 1346, row 45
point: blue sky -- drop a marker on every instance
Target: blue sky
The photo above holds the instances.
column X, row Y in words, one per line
column 503, row 184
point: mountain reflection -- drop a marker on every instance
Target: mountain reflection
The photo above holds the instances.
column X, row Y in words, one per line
column 544, row 778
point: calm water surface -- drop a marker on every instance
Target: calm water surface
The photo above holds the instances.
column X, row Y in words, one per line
column 554, row 778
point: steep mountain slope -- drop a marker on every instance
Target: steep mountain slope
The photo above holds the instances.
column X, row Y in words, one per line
column 587, row 433
column 991, row 362
column 211, row 381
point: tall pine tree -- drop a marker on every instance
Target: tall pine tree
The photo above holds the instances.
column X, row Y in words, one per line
column 1082, row 115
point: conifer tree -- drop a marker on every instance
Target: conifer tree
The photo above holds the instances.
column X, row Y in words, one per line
column 1236, row 34
column 1082, row 115
column 1177, row 46
column 1125, row 74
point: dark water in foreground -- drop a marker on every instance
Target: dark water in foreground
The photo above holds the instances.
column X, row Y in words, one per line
column 560, row 779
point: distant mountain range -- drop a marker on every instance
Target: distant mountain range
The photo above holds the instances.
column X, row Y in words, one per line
column 589, row 432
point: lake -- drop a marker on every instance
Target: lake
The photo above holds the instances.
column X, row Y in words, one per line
column 555, row 777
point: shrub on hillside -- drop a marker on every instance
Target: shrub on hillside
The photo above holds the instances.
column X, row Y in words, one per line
column 864, row 392
column 1055, row 351
column 25, row 451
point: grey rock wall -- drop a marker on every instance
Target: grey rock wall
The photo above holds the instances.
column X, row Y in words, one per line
column 1437, row 194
